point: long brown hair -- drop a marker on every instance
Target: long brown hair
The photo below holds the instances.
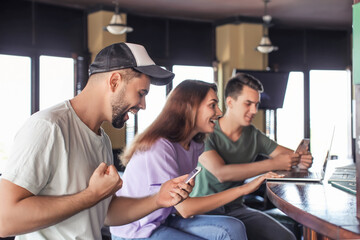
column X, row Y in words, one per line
column 176, row 120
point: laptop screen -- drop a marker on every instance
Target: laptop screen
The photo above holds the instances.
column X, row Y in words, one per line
column 328, row 151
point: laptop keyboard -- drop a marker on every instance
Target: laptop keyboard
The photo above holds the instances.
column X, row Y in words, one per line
column 347, row 174
column 344, row 178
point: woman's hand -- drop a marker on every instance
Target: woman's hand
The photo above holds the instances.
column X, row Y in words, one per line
column 255, row 184
column 174, row 191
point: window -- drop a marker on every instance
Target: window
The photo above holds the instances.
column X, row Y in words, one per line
column 56, row 85
column 270, row 123
column 130, row 128
column 56, row 80
column 15, row 91
column 290, row 118
column 183, row 72
column 155, row 101
column 330, row 106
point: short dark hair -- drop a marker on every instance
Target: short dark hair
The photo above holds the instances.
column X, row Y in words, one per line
column 235, row 85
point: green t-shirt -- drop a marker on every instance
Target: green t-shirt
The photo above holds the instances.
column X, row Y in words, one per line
column 251, row 143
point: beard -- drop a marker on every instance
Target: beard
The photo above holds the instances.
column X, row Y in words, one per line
column 118, row 118
column 119, row 110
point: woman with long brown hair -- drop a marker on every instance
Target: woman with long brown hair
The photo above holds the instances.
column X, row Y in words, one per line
column 168, row 148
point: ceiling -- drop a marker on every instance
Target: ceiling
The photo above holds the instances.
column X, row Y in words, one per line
column 334, row 14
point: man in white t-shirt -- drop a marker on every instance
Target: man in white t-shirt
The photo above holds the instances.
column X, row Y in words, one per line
column 60, row 180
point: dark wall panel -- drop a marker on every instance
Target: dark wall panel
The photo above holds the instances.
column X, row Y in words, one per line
column 191, row 43
column 174, row 41
column 60, row 28
column 15, row 24
column 290, row 55
column 328, row 49
column 150, row 32
column 27, row 26
column 313, row 49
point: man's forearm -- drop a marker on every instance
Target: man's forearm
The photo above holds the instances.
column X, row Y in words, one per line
column 242, row 171
column 36, row 212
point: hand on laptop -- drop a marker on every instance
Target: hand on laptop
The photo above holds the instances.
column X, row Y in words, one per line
column 255, row 184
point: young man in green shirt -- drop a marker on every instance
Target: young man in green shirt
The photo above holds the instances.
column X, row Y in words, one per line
column 229, row 155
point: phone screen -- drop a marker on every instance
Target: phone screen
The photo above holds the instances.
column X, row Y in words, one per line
column 303, row 146
column 193, row 173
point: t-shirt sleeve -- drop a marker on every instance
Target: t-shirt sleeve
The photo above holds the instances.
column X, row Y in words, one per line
column 29, row 163
column 209, row 143
column 266, row 145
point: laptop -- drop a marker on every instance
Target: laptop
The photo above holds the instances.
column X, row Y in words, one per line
column 344, row 174
column 345, row 186
column 304, row 175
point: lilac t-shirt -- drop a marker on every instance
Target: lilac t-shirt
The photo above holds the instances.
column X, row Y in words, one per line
column 144, row 175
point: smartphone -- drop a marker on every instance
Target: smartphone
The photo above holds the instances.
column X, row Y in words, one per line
column 193, row 173
column 303, row 146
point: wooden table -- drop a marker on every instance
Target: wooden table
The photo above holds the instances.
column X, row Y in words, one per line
column 324, row 211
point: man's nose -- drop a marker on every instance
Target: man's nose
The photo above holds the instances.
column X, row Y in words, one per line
column 253, row 108
column 142, row 104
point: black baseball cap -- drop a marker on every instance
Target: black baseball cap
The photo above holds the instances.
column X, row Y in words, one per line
column 129, row 55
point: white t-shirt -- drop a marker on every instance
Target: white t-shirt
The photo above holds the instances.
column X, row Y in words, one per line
column 55, row 154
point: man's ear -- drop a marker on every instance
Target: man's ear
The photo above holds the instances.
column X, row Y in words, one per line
column 114, row 81
column 229, row 101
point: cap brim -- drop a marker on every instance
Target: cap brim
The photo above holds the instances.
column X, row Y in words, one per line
column 158, row 75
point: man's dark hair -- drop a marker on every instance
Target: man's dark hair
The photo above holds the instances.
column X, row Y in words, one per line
column 235, row 85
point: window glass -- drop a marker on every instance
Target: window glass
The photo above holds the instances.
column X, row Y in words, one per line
column 56, row 80
column 270, row 123
column 290, row 118
column 183, row 72
column 330, row 106
column 130, row 128
column 15, row 100
column 155, row 101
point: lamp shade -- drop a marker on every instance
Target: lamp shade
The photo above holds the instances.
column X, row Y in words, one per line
column 265, row 45
column 116, row 25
